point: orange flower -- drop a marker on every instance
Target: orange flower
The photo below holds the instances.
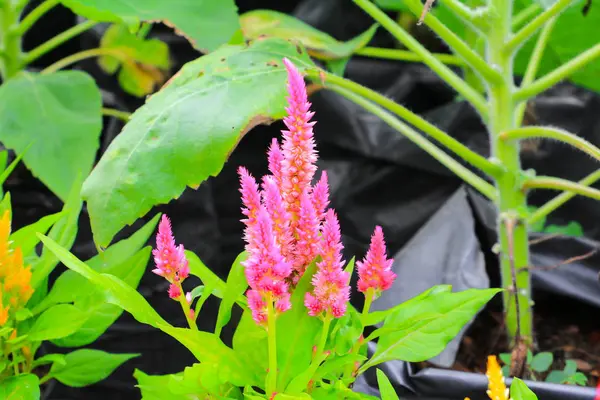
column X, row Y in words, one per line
column 3, row 311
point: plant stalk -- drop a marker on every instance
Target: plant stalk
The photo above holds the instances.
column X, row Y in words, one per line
column 552, row 183
column 405, row 55
column 324, row 332
column 82, row 55
column 185, row 306
column 10, row 60
column 35, row 14
column 271, row 383
column 514, row 247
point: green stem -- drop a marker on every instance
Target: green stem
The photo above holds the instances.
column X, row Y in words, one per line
column 460, row 10
column 533, row 65
column 82, row 55
column 531, row 28
column 552, row 133
column 11, row 42
column 111, row 112
column 35, row 15
column 560, row 73
column 271, row 383
column 552, row 183
column 525, row 14
column 465, row 174
column 511, row 201
column 405, row 55
column 368, row 301
column 185, row 306
column 57, row 41
column 324, row 333
column 449, row 76
column 561, row 199
column 456, row 43
column 335, row 82
column 45, row 379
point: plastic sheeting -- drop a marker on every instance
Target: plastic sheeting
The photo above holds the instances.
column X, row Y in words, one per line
column 377, row 178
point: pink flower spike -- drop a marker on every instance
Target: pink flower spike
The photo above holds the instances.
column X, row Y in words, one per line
column 331, row 290
column 250, row 195
column 320, row 196
column 174, row 291
column 275, row 157
column 307, row 233
column 170, row 259
column 258, row 306
column 298, row 147
column 275, row 206
column 375, row 270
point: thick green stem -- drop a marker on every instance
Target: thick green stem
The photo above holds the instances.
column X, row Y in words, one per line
column 552, row 133
column 560, row 73
column 532, row 27
column 534, row 63
column 461, row 171
column 468, row 155
column 514, row 249
column 10, row 61
column 271, row 383
column 185, row 306
column 57, row 41
column 324, row 333
column 449, row 76
column 405, row 55
column 561, row 199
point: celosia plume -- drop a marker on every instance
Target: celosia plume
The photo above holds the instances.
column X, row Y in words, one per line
column 375, row 270
column 331, row 290
column 307, row 234
column 320, row 196
column 273, row 203
column 497, row 389
column 15, row 285
column 298, row 148
column 170, row 259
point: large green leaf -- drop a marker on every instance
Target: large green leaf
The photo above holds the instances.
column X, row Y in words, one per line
column 385, row 387
column 57, row 322
column 22, row 387
column 86, row 366
column 59, row 115
column 100, row 314
column 422, row 331
column 259, row 23
column 185, row 133
column 155, row 387
column 207, row 24
column 26, row 238
column 250, row 345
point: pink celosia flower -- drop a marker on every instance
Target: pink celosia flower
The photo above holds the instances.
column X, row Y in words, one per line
column 307, row 231
column 275, row 206
column 375, row 270
column 275, row 157
column 252, row 202
column 170, row 259
column 298, row 148
column 320, row 196
column 266, row 269
column 331, row 290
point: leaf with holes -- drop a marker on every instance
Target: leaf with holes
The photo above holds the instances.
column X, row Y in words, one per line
column 207, row 24
column 57, row 118
column 185, row 132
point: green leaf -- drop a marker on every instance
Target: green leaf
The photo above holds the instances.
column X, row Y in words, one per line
column 181, row 136
column 569, row 38
column 5, row 205
column 570, row 367
column 8, row 170
column 541, row 362
column 297, row 333
column 573, row 228
column 207, row 24
column 86, row 366
column 300, row 383
column 260, row 23
column 520, row 391
column 556, row 377
column 347, row 331
column 58, row 359
column 26, row 237
column 22, row 387
column 578, row 378
column 336, row 365
column 505, row 358
column 100, row 315
column 424, row 329
column 236, row 286
column 197, row 292
column 392, row 5
column 155, row 387
column 208, row 278
column 142, row 61
column 56, row 322
column 59, row 115
column 385, row 387
column 250, row 345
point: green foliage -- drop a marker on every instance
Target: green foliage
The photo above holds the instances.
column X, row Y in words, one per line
column 573, row 228
column 180, row 137
column 22, row 387
column 141, row 62
column 520, row 391
column 57, row 322
column 206, row 24
column 86, row 366
column 385, row 387
column 55, row 120
column 235, row 287
column 540, row 364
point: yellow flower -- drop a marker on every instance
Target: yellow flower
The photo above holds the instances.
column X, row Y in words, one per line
column 497, row 389
column 3, row 311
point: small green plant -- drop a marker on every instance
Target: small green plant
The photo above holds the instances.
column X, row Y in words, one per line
column 539, row 366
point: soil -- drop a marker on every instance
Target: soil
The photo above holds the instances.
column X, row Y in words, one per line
column 565, row 327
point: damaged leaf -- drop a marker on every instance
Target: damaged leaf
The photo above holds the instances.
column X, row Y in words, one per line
column 185, row 132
